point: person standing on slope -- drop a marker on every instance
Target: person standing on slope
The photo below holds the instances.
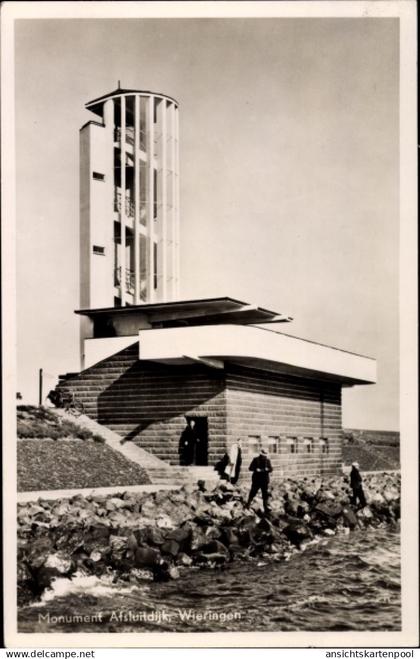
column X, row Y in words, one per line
column 261, row 469
column 356, row 481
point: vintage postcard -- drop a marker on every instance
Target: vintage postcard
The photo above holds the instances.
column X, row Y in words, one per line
column 209, row 336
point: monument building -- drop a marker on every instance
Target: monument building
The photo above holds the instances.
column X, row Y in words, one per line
column 151, row 360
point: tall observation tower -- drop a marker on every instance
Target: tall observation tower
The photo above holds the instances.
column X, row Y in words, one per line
column 129, row 200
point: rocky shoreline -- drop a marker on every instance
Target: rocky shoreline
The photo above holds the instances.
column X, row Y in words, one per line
column 160, row 536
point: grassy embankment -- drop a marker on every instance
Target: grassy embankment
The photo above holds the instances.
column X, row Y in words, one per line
column 54, row 454
column 373, row 450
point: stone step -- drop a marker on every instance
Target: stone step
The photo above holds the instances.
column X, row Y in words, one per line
column 163, row 441
column 168, row 479
column 199, row 471
column 173, row 469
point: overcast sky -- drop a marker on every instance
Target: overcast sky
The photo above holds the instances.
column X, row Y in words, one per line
column 289, row 176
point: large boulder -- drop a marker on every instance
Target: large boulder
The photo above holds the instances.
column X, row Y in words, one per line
column 165, row 522
column 115, row 503
column 325, row 515
column 137, row 574
column 212, row 552
column 297, row 532
column 182, row 536
column 165, row 571
column 350, row 518
column 148, row 509
column 150, row 536
column 146, row 557
column 245, row 526
column 184, row 559
column 39, row 551
column 61, row 562
column 229, row 536
column 365, row 515
column 170, row 547
column 198, row 537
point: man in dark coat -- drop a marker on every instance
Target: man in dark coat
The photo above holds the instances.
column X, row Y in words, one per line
column 187, row 443
column 356, row 485
column 261, row 469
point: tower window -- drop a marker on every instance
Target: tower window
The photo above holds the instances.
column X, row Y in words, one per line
column 98, row 176
column 97, row 249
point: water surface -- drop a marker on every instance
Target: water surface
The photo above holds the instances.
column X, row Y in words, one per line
column 345, row 583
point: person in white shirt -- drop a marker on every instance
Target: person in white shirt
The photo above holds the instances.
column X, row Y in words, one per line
column 233, row 468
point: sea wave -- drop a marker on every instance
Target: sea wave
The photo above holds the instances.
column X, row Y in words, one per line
column 85, row 585
column 352, row 586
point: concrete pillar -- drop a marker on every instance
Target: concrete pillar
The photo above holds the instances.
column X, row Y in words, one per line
column 164, row 200
column 176, row 214
column 108, row 192
column 150, row 183
column 172, row 201
column 123, row 219
column 136, row 199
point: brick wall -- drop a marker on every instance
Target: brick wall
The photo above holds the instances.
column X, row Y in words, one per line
column 147, row 402
column 282, row 407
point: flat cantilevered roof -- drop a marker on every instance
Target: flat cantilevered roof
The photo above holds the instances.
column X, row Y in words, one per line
column 192, row 312
column 255, row 347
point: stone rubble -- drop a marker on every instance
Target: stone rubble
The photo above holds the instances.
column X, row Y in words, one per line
column 158, row 536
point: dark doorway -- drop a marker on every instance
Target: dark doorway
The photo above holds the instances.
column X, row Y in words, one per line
column 202, row 440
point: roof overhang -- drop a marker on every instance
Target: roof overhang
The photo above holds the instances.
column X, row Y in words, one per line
column 206, row 311
column 256, row 347
column 96, row 104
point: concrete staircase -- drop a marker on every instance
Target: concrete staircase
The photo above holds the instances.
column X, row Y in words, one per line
column 146, row 402
column 159, row 471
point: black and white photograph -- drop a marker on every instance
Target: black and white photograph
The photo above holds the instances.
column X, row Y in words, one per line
column 209, row 366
